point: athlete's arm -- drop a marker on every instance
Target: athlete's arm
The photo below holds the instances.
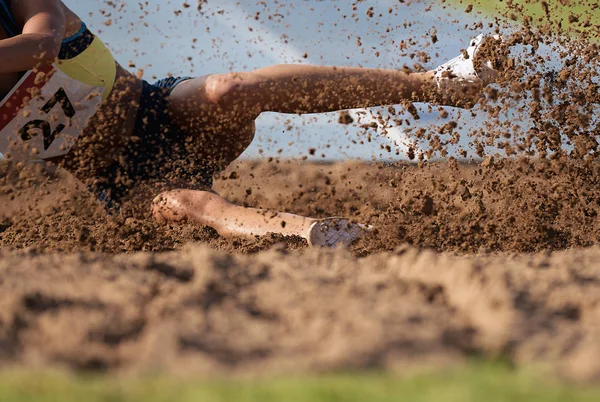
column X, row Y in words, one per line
column 43, row 23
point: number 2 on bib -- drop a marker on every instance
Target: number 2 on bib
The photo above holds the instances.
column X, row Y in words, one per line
column 60, row 97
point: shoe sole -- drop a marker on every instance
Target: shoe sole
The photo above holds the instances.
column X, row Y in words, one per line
column 334, row 232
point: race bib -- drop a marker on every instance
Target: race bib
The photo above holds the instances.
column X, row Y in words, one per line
column 45, row 113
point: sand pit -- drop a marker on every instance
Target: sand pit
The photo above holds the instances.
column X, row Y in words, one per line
column 496, row 260
column 443, row 279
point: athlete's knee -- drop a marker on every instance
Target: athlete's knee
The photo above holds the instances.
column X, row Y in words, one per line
column 170, row 206
column 222, row 87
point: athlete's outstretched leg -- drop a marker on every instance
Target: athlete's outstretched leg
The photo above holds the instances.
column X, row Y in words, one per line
column 235, row 99
column 210, row 209
column 317, row 89
column 218, row 111
column 300, row 89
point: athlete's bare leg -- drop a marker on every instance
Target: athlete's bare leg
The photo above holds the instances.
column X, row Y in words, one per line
column 316, row 89
column 296, row 89
column 227, row 219
column 220, row 110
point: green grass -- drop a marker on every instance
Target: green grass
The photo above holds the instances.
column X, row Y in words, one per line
column 580, row 8
column 480, row 382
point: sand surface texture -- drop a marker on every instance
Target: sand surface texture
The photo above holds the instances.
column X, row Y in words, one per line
column 441, row 280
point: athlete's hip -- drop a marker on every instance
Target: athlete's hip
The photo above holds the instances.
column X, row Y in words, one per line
column 127, row 146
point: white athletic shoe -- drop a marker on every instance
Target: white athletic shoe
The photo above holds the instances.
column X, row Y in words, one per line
column 463, row 69
column 332, row 232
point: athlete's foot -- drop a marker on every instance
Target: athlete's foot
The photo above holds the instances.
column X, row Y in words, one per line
column 468, row 66
column 461, row 79
column 333, row 232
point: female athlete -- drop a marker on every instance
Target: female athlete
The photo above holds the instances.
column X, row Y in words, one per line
column 66, row 100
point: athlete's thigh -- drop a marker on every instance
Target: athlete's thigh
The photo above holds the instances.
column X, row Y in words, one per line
column 188, row 103
column 222, row 133
column 209, row 100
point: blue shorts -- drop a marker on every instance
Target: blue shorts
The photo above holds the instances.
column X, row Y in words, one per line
column 159, row 152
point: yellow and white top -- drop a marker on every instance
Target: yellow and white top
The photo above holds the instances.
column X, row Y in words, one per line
column 46, row 111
